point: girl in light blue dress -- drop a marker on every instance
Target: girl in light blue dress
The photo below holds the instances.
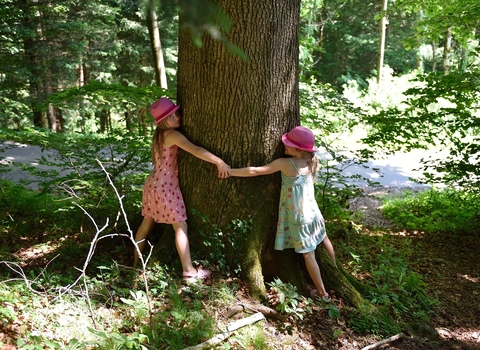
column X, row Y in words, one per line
column 300, row 223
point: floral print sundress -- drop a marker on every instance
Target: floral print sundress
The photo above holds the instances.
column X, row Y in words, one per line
column 300, row 223
column 162, row 198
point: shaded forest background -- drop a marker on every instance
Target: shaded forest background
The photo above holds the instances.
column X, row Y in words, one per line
column 409, row 67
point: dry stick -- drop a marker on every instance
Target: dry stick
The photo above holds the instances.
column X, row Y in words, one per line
column 132, row 238
column 233, row 327
column 24, row 278
column 384, row 341
column 91, row 251
column 15, row 267
column 93, row 245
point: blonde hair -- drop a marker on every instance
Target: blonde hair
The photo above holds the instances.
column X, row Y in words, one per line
column 158, row 139
column 312, row 161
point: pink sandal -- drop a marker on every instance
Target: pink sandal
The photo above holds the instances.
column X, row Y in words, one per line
column 326, row 298
column 200, row 275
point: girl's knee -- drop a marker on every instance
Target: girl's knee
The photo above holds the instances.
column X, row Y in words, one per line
column 308, row 254
column 182, row 225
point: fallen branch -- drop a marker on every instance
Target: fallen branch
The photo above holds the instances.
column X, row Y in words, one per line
column 384, row 341
column 233, row 327
column 265, row 310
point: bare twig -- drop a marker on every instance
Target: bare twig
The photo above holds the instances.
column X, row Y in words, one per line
column 228, row 332
column 384, row 341
column 132, row 238
column 18, row 269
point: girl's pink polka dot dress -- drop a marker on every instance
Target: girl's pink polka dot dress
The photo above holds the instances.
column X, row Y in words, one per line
column 162, row 199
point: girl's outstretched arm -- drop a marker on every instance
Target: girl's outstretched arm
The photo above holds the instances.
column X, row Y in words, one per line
column 277, row 165
column 177, row 138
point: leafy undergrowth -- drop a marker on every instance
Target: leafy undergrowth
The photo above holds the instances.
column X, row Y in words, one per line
column 426, row 283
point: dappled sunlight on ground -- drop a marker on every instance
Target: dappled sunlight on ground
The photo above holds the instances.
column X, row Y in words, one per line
column 451, row 272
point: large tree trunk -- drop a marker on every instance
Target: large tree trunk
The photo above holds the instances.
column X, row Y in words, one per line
column 239, row 111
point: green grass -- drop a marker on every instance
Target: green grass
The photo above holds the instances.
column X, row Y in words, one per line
column 445, row 211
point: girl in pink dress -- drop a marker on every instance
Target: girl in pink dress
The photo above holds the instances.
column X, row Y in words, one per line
column 162, row 199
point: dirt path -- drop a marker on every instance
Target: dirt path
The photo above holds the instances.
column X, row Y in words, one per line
column 452, row 270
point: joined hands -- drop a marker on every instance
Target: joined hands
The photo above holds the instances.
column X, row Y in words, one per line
column 224, row 170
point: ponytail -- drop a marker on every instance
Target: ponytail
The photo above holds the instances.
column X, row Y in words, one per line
column 312, row 162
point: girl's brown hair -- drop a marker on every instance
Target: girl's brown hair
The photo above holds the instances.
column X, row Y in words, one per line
column 312, row 162
column 158, row 139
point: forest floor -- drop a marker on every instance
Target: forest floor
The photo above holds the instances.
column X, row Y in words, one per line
column 447, row 265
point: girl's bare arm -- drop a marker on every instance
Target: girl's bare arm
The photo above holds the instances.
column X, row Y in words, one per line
column 177, row 138
column 277, row 165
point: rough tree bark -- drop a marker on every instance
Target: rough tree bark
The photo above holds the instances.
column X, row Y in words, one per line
column 239, row 111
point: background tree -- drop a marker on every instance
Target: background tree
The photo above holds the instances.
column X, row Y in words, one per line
column 449, row 25
column 51, row 47
column 442, row 110
column 156, row 45
column 381, row 46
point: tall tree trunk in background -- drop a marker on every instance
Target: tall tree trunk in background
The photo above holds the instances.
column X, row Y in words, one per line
column 81, row 75
column 30, row 22
column 465, row 53
column 239, row 111
column 462, row 65
column 434, row 56
column 419, row 55
column 381, row 49
column 60, row 119
column 53, row 123
column 156, row 45
column 447, row 48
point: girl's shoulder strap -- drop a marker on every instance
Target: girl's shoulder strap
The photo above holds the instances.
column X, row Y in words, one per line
column 296, row 169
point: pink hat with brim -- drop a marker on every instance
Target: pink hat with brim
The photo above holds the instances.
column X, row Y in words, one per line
column 301, row 138
column 162, row 108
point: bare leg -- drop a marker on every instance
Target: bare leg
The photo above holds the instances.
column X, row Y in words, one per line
column 329, row 247
column 183, row 247
column 314, row 272
column 140, row 237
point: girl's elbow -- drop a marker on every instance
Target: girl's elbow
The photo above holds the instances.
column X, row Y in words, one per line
column 254, row 172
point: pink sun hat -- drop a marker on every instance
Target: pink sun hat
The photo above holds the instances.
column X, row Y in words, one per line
column 162, row 108
column 301, row 138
